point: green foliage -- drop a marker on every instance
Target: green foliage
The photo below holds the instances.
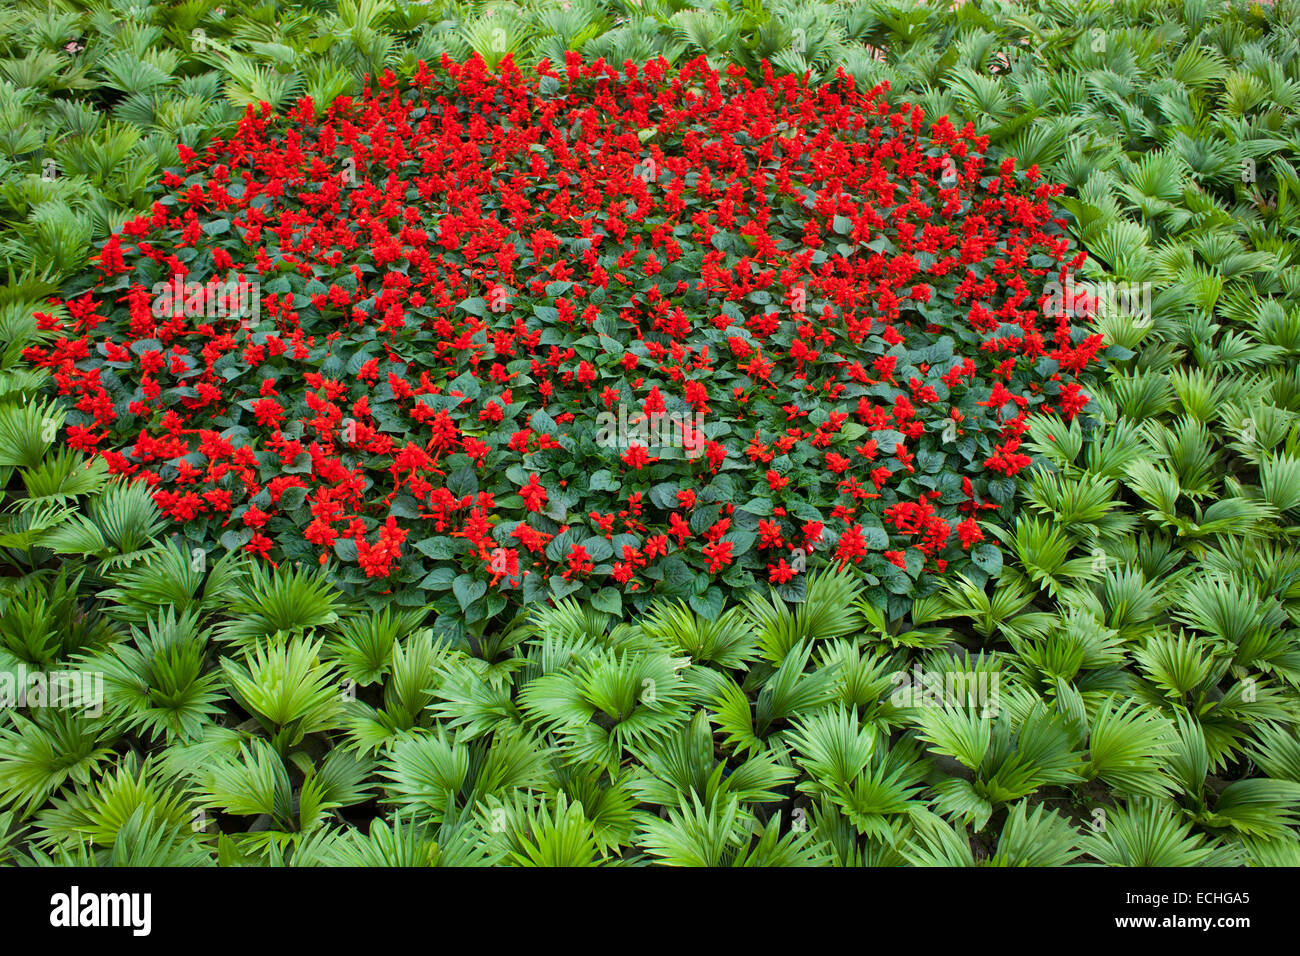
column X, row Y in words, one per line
column 1122, row 689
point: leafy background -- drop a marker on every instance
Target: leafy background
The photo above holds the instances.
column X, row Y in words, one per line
column 1143, row 628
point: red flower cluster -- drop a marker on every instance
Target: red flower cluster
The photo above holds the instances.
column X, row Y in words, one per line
column 810, row 316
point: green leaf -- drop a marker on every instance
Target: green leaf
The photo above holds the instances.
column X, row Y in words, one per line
column 988, row 558
column 468, row 590
column 474, row 306
column 608, row 600
column 709, row 604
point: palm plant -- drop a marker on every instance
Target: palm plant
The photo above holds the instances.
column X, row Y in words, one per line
column 1148, row 832
column 288, row 690
column 158, row 683
column 41, row 753
column 1040, row 837
column 716, row 834
column 1006, row 759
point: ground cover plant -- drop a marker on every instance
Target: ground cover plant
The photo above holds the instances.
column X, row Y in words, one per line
column 1112, row 679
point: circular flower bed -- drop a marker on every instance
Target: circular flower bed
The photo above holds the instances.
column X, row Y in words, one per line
column 479, row 338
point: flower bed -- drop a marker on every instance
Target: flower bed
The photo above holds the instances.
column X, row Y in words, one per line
column 614, row 334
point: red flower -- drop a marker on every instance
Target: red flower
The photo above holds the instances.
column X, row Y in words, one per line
column 718, row 555
column 653, row 404
column 268, row 412
column 678, row 528
column 968, row 532
column 852, row 546
column 377, row 559
column 534, row 494
column 636, row 458
column 502, row 563
column 259, row 545
column 1006, row 460
column 578, row 562
column 715, row 454
column 780, row 572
